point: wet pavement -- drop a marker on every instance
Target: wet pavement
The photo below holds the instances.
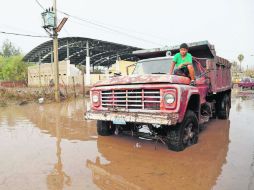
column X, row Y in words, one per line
column 53, row 147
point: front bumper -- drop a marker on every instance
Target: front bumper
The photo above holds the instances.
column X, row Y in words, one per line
column 149, row 118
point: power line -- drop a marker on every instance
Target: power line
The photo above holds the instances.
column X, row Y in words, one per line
column 25, row 35
column 40, row 4
column 18, row 29
column 108, row 28
column 102, row 26
column 123, row 28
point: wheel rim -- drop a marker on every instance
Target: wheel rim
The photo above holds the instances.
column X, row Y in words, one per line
column 189, row 135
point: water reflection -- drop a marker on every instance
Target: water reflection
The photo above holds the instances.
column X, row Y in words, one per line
column 63, row 121
column 239, row 97
column 57, row 179
column 251, row 181
column 69, row 117
column 239, row 161
column 144, row 168
column 42, row 141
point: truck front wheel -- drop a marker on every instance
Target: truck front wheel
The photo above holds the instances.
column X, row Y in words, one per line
column 105, row 128
column 183, row 134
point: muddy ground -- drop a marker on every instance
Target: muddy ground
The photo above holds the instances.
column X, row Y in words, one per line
column 26, row 95
column 52, row 147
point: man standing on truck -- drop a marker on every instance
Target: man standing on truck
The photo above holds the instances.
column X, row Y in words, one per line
column 183, row 61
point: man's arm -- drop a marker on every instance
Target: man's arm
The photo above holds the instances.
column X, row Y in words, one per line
column 173, row 63
column 171, row 69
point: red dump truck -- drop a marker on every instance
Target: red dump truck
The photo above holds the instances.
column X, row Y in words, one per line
column 170, row 109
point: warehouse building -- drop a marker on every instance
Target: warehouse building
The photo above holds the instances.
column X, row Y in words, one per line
column 98, row 58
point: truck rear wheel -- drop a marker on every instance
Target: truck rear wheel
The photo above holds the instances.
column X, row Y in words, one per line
column 183, row 134
column 105, row 128
column 223, row 107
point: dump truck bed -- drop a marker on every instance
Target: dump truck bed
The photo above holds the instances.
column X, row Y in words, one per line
column 219, row 74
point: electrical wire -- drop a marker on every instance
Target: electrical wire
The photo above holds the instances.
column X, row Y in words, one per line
column 123, row 28
column 18, row 29
column 40, row 4
column 102, row 26
column 108, row 28
column 25, row 35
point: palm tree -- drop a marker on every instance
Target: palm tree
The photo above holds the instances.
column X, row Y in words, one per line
column 240, row 59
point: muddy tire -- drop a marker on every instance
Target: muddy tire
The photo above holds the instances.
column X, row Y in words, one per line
column 184, row 134
column 223, row 107
column 105, row 128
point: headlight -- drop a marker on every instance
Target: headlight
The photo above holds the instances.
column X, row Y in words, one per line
column 95, row 98
column 169, row 99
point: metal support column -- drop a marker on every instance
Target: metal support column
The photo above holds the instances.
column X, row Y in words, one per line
column 88, row 74
column 68, row 51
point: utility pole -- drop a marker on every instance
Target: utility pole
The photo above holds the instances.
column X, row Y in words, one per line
column 50, row 24
column 56, row 65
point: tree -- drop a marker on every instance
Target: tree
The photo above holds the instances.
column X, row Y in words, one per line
column 13, row 68
column 240, row 59
column 235, row 67
column 8, row 49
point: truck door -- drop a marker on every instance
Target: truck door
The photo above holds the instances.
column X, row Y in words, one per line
column 201, row 82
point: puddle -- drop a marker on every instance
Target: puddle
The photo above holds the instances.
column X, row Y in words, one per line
column 53, row 147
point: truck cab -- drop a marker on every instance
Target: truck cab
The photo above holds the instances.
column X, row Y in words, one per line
column 164, row 102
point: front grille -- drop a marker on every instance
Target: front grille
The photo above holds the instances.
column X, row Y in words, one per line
column 138, row 99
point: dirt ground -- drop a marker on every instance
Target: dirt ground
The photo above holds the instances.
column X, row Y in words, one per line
column 25, row 95
column 51, row 146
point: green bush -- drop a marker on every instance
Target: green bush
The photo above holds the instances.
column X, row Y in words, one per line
column 13, row 68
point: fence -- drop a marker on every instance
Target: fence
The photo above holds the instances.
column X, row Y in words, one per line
column 13, row 84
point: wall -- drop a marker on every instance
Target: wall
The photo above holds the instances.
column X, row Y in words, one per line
column 40, row 75
column 125, row 67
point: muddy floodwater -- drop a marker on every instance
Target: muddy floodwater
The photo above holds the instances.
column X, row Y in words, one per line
column 53, row 147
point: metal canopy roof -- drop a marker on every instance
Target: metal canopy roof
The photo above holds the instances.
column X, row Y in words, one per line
column 101, row 52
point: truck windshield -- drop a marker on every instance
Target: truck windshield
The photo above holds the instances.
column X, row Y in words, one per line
column 152, row 67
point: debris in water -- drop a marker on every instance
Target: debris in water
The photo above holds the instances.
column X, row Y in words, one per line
column 41, row 100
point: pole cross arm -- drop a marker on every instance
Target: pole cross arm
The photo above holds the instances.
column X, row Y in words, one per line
column 60, row 26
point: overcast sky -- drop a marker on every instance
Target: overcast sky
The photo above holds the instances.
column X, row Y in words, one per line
column 228, row 24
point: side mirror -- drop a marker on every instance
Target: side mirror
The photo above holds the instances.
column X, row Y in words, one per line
column 168, row 53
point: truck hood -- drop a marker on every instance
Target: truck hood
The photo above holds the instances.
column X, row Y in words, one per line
column 144, row 79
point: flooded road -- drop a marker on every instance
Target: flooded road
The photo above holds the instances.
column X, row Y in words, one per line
column 53, row 147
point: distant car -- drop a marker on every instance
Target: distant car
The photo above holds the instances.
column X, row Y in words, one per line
column 247, row 83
